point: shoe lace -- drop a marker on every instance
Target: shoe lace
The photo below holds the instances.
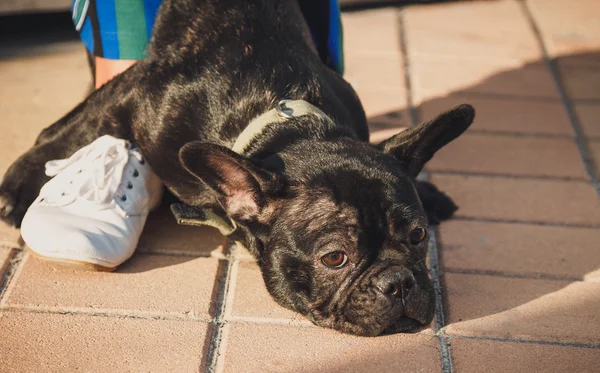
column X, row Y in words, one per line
column 93, row 173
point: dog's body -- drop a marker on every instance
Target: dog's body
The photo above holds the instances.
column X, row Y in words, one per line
column 303, row 194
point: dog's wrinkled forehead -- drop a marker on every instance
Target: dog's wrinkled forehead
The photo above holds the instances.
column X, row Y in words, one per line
column 316, row 213
column 351, row 208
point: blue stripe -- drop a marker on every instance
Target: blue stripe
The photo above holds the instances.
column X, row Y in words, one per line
column 151, row 8
column 86, row 35
column 334, row 42
column 107, row 20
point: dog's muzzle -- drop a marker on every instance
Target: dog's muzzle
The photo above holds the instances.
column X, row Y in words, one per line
column 392, row 300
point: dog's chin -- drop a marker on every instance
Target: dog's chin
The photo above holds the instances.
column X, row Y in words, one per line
column 404, row 325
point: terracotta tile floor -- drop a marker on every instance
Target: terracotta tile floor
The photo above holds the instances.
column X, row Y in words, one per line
column 517, row 271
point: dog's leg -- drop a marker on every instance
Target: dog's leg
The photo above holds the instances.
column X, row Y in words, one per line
column 102, row 113
column 438, row 206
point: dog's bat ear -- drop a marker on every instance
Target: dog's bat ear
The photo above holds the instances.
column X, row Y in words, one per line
column 241, row 184
column 417, row 145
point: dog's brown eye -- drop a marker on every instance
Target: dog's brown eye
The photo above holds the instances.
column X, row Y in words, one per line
column 417, row 235
column 336, row 259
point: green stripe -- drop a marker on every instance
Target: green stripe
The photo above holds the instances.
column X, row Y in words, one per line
column 78, row 13
column 131, row 27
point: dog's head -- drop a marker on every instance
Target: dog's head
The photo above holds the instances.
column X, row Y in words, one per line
column 337, row 227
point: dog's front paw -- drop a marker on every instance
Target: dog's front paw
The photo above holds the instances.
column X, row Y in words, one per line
column 14, row 203
column 438, row 206
column 10, row 210
column 18, row 190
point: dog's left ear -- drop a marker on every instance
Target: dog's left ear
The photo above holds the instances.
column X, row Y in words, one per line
column 242, row 185
column 417, row 145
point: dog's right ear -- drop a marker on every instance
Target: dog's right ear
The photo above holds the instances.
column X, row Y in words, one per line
column 241, row 184
column 416, row 145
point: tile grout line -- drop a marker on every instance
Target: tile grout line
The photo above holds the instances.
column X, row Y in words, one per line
column 533, row 135
column 295, row 323
column 213, row 350
column 433, row 254
column 440, row 314
column 215, row 360
column 524, row 222
column 524, row 341
column 493, row 273
column 496, row 96
column 504, row 97
column 521, row 135
column 105, row 312
column 412, row 111
column 490, row 175
column 567, row 103
column 173, row 253
column 158, row 316
column 11, row 275
column 226, row 314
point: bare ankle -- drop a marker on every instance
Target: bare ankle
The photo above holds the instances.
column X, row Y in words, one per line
column 107, row 69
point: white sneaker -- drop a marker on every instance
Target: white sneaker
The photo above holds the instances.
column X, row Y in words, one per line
column 94, row 209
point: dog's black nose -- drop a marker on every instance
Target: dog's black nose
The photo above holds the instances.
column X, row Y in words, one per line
column 395, row 282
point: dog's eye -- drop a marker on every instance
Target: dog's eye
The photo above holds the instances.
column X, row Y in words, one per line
column 335, row 259
column 417, row 235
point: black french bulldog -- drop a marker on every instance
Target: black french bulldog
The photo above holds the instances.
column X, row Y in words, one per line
column 335, row 223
